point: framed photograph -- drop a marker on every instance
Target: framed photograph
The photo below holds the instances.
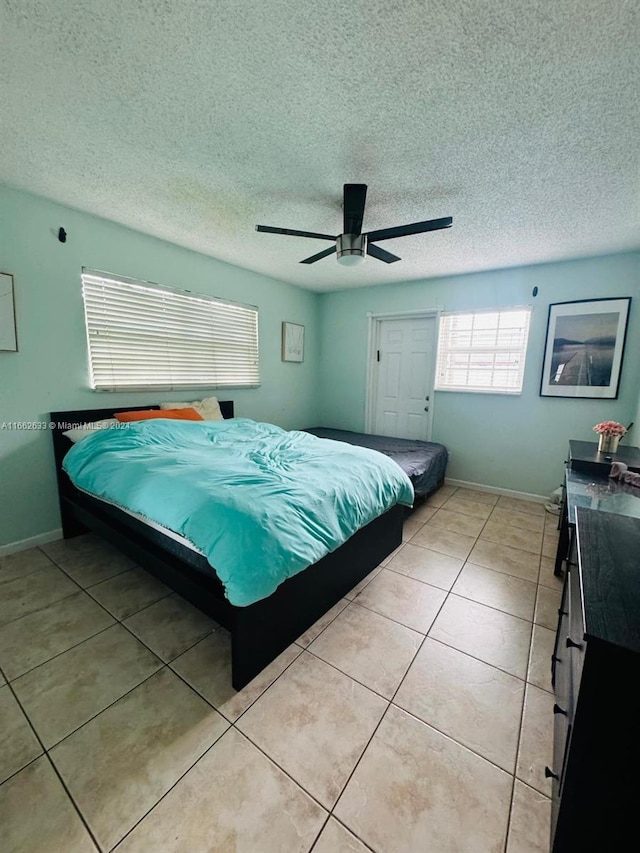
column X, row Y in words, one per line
column 8, row 334
column 292, row 342
column 584, row 348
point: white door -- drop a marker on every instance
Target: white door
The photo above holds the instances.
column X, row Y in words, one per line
column 405, row 364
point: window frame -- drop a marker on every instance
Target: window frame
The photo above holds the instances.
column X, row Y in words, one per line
column 445, row 349
column 95, row 279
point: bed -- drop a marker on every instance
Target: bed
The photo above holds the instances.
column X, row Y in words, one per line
column 260, row 631
column 425, row 462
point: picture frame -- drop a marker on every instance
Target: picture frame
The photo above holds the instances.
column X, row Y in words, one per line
column 584, row 348
column 292, row 342
column 8, row 326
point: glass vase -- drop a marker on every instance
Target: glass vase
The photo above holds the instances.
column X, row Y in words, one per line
column 608, row 443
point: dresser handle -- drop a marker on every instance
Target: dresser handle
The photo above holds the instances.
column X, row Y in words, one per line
column 572, row 645
column 549, row 774
column 555, row 659
column 562, row 612
column 558, row 710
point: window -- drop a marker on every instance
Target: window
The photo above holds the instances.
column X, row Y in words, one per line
column 483, row 351
column 142, row 335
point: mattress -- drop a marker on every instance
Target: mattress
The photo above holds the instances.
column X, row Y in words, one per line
column 159, row 527
column 424, row 462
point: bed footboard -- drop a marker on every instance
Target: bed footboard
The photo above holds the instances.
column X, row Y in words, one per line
column 264, row 629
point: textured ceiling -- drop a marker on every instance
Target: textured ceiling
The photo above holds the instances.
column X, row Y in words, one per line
column 194, row 120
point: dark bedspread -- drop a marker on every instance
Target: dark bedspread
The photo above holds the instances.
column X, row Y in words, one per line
column 425, row 462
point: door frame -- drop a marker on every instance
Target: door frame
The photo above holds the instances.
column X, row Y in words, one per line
column 374, row 322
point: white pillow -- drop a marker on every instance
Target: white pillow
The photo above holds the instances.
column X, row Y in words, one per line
column 79, row 432
column 209, row 408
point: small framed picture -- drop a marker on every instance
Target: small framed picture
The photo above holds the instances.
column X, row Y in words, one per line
column 8, row 334
column 584, row 348
column 292, row 342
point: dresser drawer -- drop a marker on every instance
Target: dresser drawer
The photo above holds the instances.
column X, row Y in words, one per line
column 574, row 641
column 560, row 666
column 563, row 706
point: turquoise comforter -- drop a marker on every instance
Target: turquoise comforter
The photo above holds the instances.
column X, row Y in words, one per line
column 261, row 503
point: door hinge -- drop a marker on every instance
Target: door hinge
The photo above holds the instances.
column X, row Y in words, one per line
column 378, row 356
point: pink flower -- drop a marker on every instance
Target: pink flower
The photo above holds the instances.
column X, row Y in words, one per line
column 610, row 428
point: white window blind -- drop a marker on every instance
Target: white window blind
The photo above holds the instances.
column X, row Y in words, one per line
column 146, row 336
column 483, row 351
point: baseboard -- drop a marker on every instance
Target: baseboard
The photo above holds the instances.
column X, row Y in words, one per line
column 31, row 542
column 510, row 493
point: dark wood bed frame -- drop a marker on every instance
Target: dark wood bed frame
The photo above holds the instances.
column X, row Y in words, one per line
column 259, row 632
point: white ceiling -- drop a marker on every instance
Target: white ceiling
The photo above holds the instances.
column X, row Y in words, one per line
column 194, row 120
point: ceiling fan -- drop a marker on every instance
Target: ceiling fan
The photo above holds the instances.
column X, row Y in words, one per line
column 352, row 246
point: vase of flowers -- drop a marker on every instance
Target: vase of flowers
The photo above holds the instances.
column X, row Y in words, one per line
column 610, row 433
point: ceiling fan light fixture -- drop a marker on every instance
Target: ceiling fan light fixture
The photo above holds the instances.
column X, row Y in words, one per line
column 351, row 249
column 351, row 260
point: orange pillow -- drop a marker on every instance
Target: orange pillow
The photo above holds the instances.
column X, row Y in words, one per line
column 148, row 414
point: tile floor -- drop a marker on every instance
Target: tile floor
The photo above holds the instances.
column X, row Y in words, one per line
column 415, row 716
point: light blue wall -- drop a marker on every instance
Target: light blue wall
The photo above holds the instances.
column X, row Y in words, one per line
column 633, row 437
column 50, row 370
column 510, row 442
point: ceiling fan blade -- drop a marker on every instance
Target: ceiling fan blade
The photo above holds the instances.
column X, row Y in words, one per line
column 414, row 228
column 381, row 255
column 270, row 230
column 323, row 254
column 355, row 196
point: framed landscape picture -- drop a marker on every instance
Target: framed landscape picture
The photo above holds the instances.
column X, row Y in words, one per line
column 584, row 348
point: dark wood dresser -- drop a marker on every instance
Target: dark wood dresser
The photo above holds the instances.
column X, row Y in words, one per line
column 596, row 676
column 587, row 483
